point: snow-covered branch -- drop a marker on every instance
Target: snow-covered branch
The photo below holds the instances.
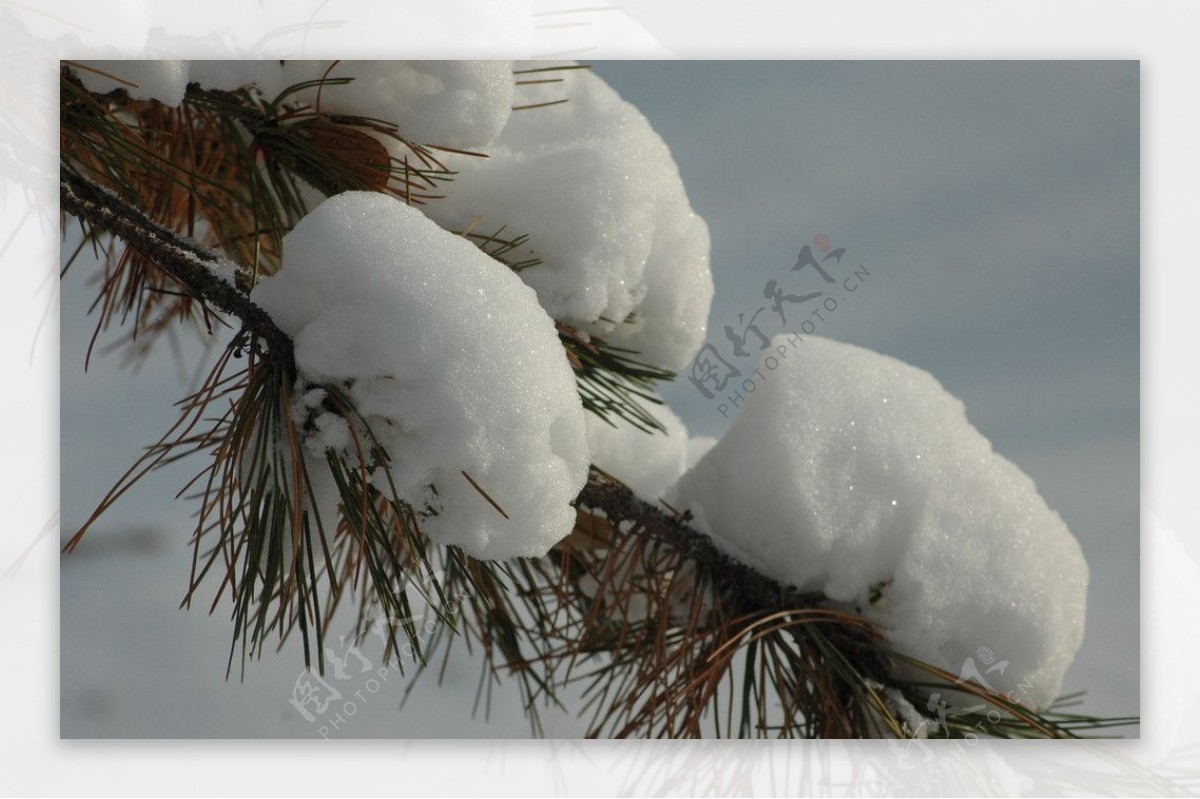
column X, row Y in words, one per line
column 205, row 276
column 442, row 369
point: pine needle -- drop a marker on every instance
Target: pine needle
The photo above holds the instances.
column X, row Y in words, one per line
column 666, row 635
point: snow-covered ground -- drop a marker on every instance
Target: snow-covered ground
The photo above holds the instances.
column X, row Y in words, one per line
column 989, row 213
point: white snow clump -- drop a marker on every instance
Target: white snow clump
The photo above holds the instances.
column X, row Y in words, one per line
column 623, row 253
column 451, row 103
column 451, row 360
column 697, row 448
column 649, row 462
column 231, row 75
column 857, row 475
column 599, row 195
column 646, row 461
column 165, row 81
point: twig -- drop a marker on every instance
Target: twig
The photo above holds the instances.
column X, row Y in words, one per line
column 187, row 263
column 744, row 588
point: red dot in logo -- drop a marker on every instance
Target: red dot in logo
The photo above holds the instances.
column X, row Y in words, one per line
column 822, row 243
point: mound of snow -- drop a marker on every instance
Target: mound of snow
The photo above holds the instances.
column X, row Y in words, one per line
column 165, row 81
column 857, row 475
column 646, row 461
column 595, row 188
column 230, row 75
column 451, row 103
column 439, row 347
column 697, row 448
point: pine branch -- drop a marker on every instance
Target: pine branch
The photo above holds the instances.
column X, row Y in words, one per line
column 192, row 268
column 745, row 588
column 830, row 672
column 183, row 261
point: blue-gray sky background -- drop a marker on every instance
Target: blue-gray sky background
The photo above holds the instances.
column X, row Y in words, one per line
column 996, row 206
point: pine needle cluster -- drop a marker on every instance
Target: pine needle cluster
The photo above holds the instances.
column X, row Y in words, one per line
column 668, row 635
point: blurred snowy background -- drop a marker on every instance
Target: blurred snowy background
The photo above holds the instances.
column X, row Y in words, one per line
column 996, row 207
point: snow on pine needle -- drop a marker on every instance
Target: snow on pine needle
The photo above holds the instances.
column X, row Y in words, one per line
column 505, row 267
column 622, row 253
column 436, row 346
column 857, row 476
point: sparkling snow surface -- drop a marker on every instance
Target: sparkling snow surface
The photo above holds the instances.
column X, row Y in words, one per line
column 449, row 356
column 600, row 196
column 852, row 473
